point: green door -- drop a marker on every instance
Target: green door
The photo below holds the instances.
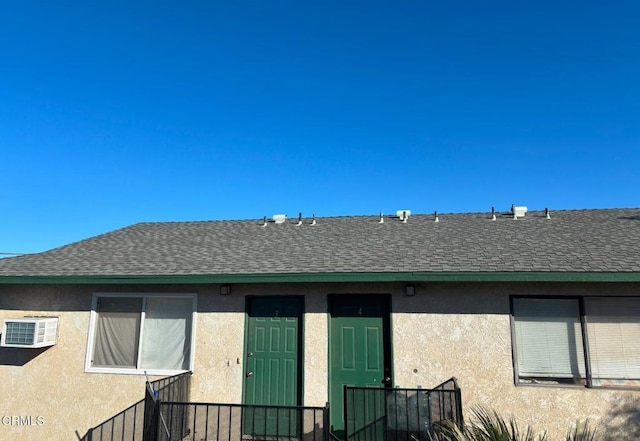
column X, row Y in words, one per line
column 359, row 353
column 272, row 363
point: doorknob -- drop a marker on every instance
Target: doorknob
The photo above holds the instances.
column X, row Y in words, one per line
column 249, row 374
column 250, row 354
column 386, row 380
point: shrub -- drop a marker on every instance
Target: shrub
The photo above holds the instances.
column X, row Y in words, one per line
column 488, row 425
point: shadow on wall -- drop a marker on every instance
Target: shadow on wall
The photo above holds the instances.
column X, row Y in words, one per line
column 19, row 356
column 623, row 420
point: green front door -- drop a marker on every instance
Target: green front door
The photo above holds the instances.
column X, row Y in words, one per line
column 272, row 362
column 359, row 348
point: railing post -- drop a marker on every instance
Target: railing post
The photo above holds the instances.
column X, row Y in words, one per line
column 345, row 412
column 151, row 412
column 458, row 393
column 325, row 422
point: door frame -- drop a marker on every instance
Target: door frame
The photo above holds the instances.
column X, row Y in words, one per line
column 300, row 299
column 386, row 302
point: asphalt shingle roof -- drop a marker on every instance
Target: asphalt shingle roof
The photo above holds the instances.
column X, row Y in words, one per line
column 571, row 241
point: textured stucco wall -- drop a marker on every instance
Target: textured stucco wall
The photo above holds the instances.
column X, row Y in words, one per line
column 463, row 330
column 50, row 383
column 445, row 330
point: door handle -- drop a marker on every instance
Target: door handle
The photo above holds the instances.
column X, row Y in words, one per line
column 386, row 380
column 249, row 374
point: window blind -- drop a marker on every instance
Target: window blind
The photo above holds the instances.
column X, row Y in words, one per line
column 613, row 333
column 549, row 338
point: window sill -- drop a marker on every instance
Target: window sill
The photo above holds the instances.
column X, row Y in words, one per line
column 121, row 371
column 578, row 386
column 615, row 387
column 551, row 385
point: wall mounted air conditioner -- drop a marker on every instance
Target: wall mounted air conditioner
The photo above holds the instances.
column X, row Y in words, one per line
column 29, row 332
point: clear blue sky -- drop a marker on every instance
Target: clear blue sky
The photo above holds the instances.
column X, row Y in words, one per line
column 117, row 112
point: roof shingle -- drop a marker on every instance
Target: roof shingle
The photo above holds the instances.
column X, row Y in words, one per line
column 571, row 241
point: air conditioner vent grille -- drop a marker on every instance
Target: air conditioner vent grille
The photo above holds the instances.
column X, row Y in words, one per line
column 20, row 333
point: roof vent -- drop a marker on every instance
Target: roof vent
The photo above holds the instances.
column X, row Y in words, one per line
column 403, row 215
column 279, row 218
column 518, row 211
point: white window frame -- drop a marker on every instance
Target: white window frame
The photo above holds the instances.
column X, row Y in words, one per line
column 588, row 381
column 93, row 321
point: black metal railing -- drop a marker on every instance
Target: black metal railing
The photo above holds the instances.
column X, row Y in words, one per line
column 449, row 404
column 385, row 414
column 238, row 422
column 176, row 388
column 127, row 425
column 371, row 414
column 139, row 421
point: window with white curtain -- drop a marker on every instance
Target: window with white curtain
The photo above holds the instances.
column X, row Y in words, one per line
column 133, row 333
column 589, row 341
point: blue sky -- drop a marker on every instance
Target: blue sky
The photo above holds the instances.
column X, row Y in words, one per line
column 116, row 112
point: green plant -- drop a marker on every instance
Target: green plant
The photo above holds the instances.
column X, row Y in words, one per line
column 582, row 432
column 488, row 425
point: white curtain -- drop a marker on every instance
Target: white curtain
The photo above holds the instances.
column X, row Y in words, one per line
column 549, row 338
column 166, row 336
column 117, row 332
column 613, row 332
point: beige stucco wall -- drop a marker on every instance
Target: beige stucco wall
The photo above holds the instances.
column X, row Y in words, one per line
column 445, row 330
column 464, row 331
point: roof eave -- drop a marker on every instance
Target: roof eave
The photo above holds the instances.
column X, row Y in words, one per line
column 471, row 276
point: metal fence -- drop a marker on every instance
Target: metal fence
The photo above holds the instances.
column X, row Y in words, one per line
column 165, row 414
column 241, row 422
column 384, row 414
column 138, row 421
column 176, row 388
column 371, row 414
column 128, row 425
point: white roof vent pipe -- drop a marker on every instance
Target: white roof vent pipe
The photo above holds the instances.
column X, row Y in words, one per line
column 493, row 213
column 546, row 214
column 279, row 218
column 435, row 217
column 518, row 211
column 381, row 221
column 313, row 219
column 299, row 219
column 403, row 215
